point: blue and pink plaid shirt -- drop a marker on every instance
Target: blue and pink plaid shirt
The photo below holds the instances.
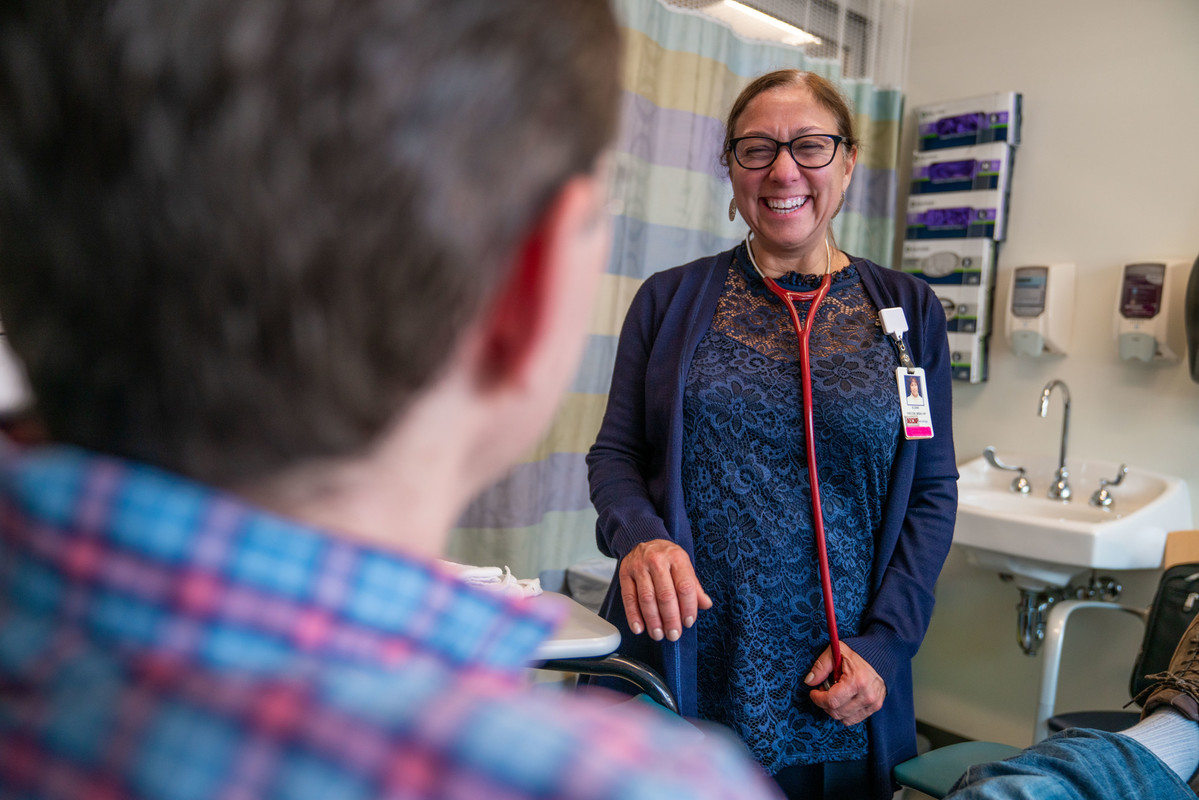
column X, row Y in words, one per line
column 159, row 639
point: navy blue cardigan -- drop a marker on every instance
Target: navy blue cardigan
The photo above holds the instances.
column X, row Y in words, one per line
column 635, row 466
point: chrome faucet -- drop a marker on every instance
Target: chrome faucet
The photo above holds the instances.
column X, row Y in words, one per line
column 1060, row 490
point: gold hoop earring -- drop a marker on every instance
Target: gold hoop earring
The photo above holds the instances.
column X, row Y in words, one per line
column 732, row 209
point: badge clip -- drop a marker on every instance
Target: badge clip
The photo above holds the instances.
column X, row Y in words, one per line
column 894, row 324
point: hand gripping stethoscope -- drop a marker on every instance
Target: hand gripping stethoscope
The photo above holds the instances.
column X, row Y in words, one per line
column 814, row 298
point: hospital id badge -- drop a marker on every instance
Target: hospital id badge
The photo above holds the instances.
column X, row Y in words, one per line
column 913, row 403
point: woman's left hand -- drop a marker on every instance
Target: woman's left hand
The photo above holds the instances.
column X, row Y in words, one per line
column 858, row 694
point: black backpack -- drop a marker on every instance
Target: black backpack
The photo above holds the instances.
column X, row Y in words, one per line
column 1174, row 607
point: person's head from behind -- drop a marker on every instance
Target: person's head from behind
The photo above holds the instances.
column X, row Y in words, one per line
column 788, row 199
column 240, row 236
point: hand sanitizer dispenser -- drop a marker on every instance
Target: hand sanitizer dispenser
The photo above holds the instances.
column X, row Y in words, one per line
column 1040, row 312
column 1147, row 328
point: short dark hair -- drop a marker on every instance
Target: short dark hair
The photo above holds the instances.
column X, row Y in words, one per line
column 824, row 90
column 237, row 235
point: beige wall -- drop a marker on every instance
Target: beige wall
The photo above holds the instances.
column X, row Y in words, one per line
column 1108, row 174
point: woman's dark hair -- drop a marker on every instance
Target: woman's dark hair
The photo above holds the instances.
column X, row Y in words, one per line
column 236, row 235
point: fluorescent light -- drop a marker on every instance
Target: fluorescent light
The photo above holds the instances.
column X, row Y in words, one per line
column 753, row 24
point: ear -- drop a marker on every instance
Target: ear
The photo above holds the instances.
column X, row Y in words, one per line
column 517, row 314
column 540, row 310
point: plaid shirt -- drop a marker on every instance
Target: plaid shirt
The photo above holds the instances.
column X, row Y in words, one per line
column 159, row 639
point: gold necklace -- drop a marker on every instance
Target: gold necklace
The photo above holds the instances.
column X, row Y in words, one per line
column 828, row 256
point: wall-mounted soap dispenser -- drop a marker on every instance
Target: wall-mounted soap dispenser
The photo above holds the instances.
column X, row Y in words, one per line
column 1149, row 326
column 1040, row 310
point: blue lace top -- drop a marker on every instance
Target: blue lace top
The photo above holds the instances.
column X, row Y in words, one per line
column 746, row 488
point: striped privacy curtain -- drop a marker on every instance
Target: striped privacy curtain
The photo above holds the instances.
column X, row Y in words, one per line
column 681, row 73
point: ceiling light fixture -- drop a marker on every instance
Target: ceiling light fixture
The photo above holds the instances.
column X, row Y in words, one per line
column 753, row 24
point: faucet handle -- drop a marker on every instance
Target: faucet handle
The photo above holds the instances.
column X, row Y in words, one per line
column 1020, row 482
column 1116, row 481
column 993, row 460
column 1102, row 497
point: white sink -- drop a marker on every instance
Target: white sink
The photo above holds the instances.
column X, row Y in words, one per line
column 1043, row 542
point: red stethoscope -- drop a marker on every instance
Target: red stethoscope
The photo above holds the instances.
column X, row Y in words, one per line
column 814, row 298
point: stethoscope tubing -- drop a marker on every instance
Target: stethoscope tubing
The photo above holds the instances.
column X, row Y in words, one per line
column 802, row 332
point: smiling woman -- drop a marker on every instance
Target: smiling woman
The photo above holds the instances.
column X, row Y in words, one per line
column 703, row 474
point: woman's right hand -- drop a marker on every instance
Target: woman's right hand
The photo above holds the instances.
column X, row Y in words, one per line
column 660, row 591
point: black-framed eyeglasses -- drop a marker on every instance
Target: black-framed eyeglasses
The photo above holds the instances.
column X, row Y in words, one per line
column 812, row 150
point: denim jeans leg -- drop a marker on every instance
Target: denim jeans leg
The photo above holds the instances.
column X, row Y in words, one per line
column 1076, row 764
